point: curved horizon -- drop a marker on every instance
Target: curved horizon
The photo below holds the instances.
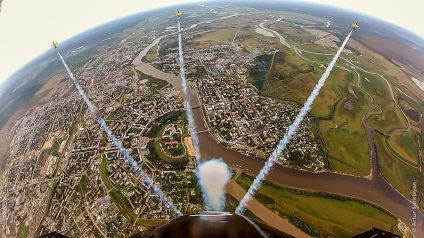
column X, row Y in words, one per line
column 128, row 80
column 13, row 67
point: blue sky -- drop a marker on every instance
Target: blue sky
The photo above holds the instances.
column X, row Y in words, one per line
column 28, row 27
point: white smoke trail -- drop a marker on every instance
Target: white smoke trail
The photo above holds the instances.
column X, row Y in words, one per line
column 181, row 59
column 193, row 132
column 191, row 124
column 213, row 176
column 147, row 180
column 77, row 85
column 290, row 132
column 258, row 229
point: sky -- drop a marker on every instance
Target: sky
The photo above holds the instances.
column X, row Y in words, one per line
column 27, row 27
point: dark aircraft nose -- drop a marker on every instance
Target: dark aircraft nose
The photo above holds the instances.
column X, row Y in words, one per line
column 211, row 225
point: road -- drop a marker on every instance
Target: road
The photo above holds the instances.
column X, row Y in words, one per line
column 365, row 118
column 87, row 210
column 374, row 189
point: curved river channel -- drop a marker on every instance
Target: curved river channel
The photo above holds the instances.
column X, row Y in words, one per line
column 373, row 189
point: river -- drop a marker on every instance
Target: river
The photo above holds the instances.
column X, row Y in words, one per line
column 373, row 189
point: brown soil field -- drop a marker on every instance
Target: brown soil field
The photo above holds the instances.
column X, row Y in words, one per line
column 329, row 41
column 39, row 97
column 47, row 90
column 318, row 33
column 394, row 50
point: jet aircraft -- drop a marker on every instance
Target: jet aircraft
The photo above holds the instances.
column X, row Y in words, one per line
column 355, row 25
column 54, row 44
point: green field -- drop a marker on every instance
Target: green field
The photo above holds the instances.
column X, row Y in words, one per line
column 153, row 83
column 152, row 53
column 252, row 43
column 296, row 90
column 103, row 173
column 290, row 78
column 321, row 214
column 109, row 116
column 83, row 186
column 300, row 17
column 411, row 113
column 348, row 149
column 23, row 229
column 149, row 222
column 319, row 59
column 329, row 96
column 215, row 37
column 123, row 205
column 375, row 85
column 360, row 61
column 405, row 146
column 116, row 196
column 342, row 130
column 294, row 35
column 231, row 203
column 417, row 106
column 420, row 177
column 390, row 119
column 164, row 156
column 285, row 71
column 398, row 174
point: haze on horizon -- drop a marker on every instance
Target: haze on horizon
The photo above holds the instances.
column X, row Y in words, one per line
column 28, row 31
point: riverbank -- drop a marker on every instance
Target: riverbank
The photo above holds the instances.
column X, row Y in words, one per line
column 262, row 212
column 374, row 190
column 189, row 145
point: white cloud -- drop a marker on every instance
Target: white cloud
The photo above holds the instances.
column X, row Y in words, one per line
column 27, row 27
column 405, row 13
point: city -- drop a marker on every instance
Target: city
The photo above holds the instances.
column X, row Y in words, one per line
column 246, row 85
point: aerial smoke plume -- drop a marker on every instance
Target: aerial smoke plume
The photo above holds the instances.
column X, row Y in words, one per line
column 181, row 59
column 213, row 176
column 290, row 132
column 77, row 85
column 193, row 132
column 147, row 180
column 191, row 124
